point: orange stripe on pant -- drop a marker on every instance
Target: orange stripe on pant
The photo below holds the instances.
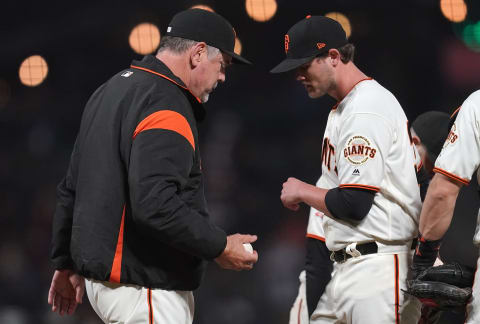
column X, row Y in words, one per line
column 116, row 272
column 166, row 119
column 150, row 308
column 299, row 311
column 397, row 292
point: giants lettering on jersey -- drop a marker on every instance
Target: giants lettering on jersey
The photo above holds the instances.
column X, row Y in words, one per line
column 452, row 136
column 358, row 150
column 328, row 150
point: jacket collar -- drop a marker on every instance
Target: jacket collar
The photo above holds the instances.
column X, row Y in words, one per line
column 153, row 65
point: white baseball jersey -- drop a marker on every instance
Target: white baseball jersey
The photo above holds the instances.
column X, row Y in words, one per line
column 367, row 145
column 460, row 156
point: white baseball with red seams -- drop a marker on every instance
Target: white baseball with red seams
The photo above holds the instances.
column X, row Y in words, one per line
column 248, row 247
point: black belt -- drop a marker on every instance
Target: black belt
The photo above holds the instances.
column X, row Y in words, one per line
column 341, row 256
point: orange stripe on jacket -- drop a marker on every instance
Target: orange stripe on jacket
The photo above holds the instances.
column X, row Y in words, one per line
column 316, row 237
column 167, row 119
column 360, row 186
column 165, row 77
column 452, row 176
column 116, row 272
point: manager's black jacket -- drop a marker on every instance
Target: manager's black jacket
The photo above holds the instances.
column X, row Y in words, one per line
column 131, row 208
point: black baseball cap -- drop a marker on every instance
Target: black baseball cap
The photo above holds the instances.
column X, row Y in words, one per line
column 432, row 127
column 205, row 26
column 308, row 38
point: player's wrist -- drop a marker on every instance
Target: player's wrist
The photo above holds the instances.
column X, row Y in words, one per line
column 426, row 253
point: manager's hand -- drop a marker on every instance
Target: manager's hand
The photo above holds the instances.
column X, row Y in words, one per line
column 235, row 257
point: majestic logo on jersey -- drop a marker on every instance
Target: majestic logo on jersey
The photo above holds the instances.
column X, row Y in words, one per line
column 452, row 136
column 358, row 150
column 356, row 172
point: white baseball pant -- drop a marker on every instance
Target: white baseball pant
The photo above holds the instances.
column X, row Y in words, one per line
column 131, row 304
column 368, row 289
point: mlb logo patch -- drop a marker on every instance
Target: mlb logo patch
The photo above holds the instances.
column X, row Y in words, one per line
column 126, row 74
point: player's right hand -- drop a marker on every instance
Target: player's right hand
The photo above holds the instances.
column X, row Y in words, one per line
column 235, row 257
column 66, row 291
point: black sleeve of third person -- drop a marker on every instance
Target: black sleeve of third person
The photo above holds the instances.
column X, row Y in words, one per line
column 318, row 270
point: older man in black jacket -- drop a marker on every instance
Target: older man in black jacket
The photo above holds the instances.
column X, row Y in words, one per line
column 131, row 215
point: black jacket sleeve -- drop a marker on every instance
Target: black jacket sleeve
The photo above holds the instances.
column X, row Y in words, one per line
column 63, row 218
column 349, row 204
column 160, row 164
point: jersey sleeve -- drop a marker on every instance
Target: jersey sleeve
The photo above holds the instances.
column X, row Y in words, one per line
column 460, row 156
column 364, row 141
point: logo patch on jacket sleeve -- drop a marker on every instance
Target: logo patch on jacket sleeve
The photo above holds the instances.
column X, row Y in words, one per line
column 358, row 150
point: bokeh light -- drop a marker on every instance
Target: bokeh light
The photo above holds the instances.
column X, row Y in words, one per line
column 454, row 10
column 144, row 38
column 204, row 7
column 33, row 71
column 471, row 35
column 261, row 10
column 343, row 20
column 238, row 46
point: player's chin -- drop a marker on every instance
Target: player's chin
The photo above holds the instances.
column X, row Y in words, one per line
column 204, row 98
column 314, row 94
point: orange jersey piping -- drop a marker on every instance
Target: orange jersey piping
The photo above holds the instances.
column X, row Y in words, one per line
column 360, row 186
column 451, row 175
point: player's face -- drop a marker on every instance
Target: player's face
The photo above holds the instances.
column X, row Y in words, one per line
column 317, row 77
column 208, row 73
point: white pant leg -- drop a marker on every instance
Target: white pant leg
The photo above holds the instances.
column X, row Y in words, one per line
column 299, row 310
column 473, row 307
column 131, row 304
column 367, row 289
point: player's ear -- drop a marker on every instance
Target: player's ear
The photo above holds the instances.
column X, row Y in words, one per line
column 334, row 56
column 196, row 53
column 416, row 140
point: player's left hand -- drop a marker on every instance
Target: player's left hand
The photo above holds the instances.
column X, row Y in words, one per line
column 291, row 193
column 66, row 291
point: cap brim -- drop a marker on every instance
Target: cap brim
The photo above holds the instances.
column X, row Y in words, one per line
column 290, row 64
column 237, row 58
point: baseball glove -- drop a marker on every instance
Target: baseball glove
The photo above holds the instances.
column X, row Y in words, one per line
column 446, row 287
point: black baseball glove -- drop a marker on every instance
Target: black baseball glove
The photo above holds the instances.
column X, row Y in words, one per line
column 446, row 287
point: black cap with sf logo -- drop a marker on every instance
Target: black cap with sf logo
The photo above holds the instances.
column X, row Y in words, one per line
column 205, row 26
column 308, row 38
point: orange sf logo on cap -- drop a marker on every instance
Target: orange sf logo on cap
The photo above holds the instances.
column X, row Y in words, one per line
column 287, row 41
column 320, row 45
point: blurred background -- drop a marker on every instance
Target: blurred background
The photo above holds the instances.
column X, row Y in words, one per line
column 260, row 128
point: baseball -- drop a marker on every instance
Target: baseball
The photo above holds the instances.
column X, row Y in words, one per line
column 248, row 247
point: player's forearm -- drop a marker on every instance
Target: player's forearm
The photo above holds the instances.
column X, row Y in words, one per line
column 438, row 207
column 315, row 197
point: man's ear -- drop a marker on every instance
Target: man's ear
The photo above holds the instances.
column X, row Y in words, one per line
column 334, row 56
column 416, row 140
column 196, row 53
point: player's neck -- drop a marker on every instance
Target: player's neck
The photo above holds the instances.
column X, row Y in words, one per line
column 349, row 77
column 177, row 64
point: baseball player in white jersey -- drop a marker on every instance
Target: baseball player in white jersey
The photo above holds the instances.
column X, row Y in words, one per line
column 458, row 160
column 368, row 192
